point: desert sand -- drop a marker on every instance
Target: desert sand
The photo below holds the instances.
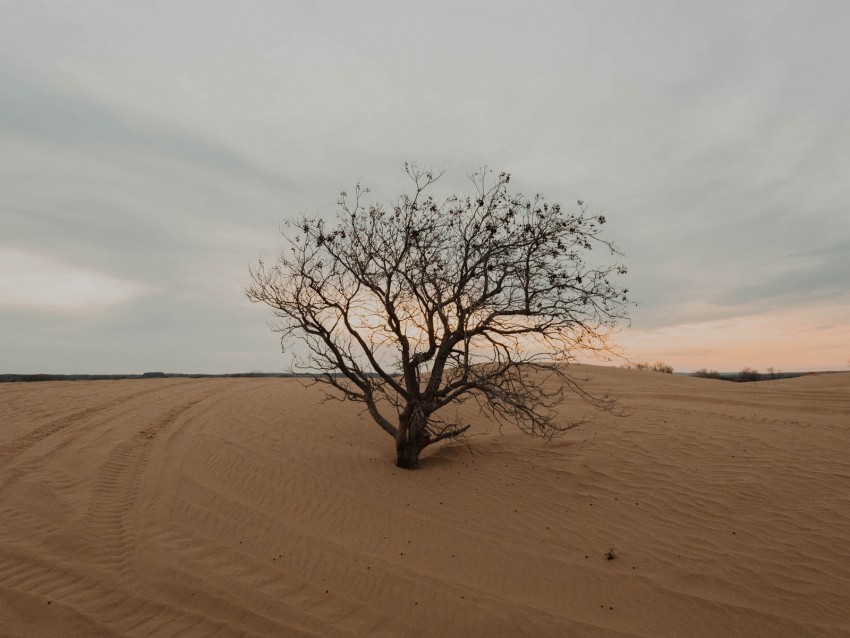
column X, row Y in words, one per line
column 225, row 507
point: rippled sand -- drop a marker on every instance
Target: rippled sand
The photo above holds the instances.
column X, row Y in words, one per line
column 178, row 507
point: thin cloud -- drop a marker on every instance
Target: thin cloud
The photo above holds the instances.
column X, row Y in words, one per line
column 41, row 283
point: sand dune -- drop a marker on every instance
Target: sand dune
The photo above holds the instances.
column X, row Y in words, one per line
column 226, row 507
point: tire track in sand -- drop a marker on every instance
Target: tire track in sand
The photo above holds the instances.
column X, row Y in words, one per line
column 120, row 610
column 99, row 583
column 110, row 539
column 79, row 418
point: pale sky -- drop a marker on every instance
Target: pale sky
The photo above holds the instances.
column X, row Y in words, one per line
column 149, row 151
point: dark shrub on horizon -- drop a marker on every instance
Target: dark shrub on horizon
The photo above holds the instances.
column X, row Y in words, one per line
column 658, row 366
column 748, row 374
column 703, row 373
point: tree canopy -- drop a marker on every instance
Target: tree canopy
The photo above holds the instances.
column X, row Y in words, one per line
column 415, row 305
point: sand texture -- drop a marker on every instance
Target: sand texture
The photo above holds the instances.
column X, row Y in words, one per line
column 247, row 507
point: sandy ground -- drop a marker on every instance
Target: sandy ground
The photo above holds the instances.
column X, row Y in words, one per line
column 176, row 507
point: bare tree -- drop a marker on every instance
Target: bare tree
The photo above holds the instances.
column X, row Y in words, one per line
column 411, row 307
column 748, row 374
column 707, row 374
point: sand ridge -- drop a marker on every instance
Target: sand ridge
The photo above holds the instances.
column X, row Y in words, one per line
column 249, row 507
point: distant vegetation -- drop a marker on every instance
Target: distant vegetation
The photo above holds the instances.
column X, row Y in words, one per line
column 12, row 378
column 658, row 366
column 708, row 374
column 747, row 374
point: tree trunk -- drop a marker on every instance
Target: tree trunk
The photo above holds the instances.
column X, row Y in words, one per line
column 409, row 442
column 407, row 455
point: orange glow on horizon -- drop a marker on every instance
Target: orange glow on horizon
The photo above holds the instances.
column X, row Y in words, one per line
column 792, row 341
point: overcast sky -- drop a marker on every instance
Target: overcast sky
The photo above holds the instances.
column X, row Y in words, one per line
column 149, row 151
